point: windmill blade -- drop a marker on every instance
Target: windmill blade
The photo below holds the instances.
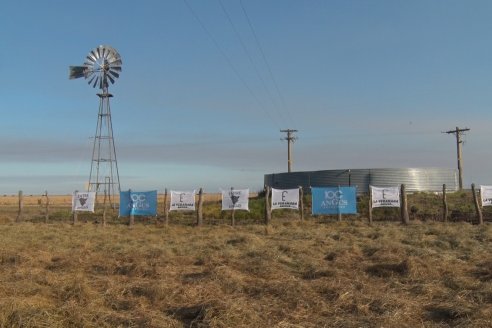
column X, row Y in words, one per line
column 112, row 56
column 114, row 74
column 91, row 79
column 115, row 55
column 102, row 83
column 76, row 71
column 89, row 63
column 96, row 81
column 98, row 53
column 89, row 73
column 93, row 55
column 116, row 62
column 115, row 68
column 110, row 78
column 90, row 59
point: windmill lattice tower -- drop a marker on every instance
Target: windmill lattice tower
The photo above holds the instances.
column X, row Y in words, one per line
column 102, row 65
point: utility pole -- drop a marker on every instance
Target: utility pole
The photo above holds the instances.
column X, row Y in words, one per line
column 458, row 133
column 290, row 139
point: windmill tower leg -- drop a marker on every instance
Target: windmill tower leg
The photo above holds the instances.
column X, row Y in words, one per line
column 104, row 165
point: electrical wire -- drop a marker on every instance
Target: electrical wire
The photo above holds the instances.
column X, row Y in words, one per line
column 281, row 97
column 250, row 58
column 229, row 62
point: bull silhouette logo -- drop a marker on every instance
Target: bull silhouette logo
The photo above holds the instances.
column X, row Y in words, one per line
column 234, row 198
column 82, row 200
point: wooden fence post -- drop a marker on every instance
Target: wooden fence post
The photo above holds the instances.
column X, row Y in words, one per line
column 477, row 205
column 20, row 213
column 166, row 210
column 233, row 219
column 370, row 206
column 338, row 208
column 47, row 208
column 444, row 204
column 301, row 202
column 199, row 212
column 132, row 216
column 105, row 208
column 74, row 212
column 404, row 206
column 268, row 213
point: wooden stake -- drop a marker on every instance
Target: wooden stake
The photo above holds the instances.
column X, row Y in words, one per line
column 268, row 212
column 199, row 212
column 132, row 216
column 338, row 209
column 477, row 205
column 132, row 220
column 233, row 219
column 166, row 209
column 404, row 206
column 444, row 204
column 370, row 206
column 47, row 208
column 105, row 209
column 301, row 202
column 20, row 214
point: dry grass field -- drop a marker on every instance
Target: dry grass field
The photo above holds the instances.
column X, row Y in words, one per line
column 291, row 274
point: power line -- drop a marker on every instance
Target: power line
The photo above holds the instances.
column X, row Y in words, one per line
column 281, row 97
column 229, row 62
column 248, row 54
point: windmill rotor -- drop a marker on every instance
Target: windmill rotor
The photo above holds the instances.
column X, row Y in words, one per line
column 101, row 66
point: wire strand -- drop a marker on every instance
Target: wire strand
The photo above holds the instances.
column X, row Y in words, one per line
column 281, row 97
column 229, row 62
column 250, row 58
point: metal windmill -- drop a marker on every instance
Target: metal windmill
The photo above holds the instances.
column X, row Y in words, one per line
column 102, row 65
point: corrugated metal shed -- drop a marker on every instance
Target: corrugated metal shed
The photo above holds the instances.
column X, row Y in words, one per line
column 415, row 179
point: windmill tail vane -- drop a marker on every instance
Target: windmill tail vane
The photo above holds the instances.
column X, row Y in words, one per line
column 77, row 71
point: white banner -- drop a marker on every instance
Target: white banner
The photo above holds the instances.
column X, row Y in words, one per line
column 235, row 199
column 385, row 196
column 83, row 201
column 182, row 200
column 486, row 195
column 285, row 198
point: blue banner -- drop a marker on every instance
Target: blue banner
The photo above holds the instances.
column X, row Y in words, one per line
column 334, row 200
column 138, row 203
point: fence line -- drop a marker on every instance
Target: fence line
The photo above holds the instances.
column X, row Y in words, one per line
column 48, row 204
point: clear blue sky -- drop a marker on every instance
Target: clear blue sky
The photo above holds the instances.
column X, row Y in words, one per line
column 367, row 84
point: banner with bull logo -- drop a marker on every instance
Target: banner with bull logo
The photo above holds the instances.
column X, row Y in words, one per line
column 138, row 203
column 285, row 198
column 334, row 200
column 235, row 199
column 83, row 201
column 385, row 196
column 182, row 201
